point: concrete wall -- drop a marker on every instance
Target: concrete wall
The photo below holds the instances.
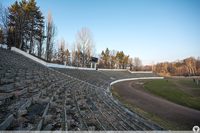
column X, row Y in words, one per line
column 29, row 56
column 140, row 71
column 125, row 70
column 69, row 67
column 46, row 63
column 112, row 69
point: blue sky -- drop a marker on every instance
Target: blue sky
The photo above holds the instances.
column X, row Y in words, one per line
column 153, row 30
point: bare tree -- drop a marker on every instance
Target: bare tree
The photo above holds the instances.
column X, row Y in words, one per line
column 198, row 66
column 112, row 59
column 67, row 54
column 190, row 64
column 79, row 55
column 3, row 17
column 130, row 62
column 50, row 29
column 187, row 67
column 55, row 55
column 40, row 39
column 3, row 21
column 137, row 63
column 1, row 36
column 85, row 46
column 73, row 55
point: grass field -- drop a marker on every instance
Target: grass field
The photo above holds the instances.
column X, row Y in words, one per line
column 181, row 91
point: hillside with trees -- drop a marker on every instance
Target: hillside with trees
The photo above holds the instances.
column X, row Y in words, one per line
column 23, row 25
column 187, row 67
column 112, row 59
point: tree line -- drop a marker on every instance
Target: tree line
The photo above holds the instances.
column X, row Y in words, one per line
column 186, row 67
column 112, row 59
column 81, row 52
column 23, row 25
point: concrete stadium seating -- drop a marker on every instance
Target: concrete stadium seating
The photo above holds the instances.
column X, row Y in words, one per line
column 35, row 97
column 102, row 78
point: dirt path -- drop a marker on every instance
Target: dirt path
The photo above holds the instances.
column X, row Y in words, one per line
column 166, row 110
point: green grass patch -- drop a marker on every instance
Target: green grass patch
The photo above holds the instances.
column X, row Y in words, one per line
column 167, row 89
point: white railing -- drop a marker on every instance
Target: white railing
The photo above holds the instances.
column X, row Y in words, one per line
column 128, row 79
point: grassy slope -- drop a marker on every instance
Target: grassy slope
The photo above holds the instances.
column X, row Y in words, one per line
column 169, row 90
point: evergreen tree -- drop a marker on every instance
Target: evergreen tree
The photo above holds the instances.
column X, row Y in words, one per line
column 106, row 57
column 35, row 22
column 25, row 24
column 40, row 36
column 15, row 15
column 120, row 57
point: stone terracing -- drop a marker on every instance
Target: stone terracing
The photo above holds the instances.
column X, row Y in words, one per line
column 34, row 97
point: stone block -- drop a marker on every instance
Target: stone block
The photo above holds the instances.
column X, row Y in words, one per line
column 36, row 97
column 6, row 123
column 20, row 92
column 7, row 88
column 22, row 112
column 48, row 119
column 39, row 126
column 48, row 127
column 4, row 96
column 6, row 81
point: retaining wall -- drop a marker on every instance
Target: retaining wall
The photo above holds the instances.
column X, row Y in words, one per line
column 46, row 63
